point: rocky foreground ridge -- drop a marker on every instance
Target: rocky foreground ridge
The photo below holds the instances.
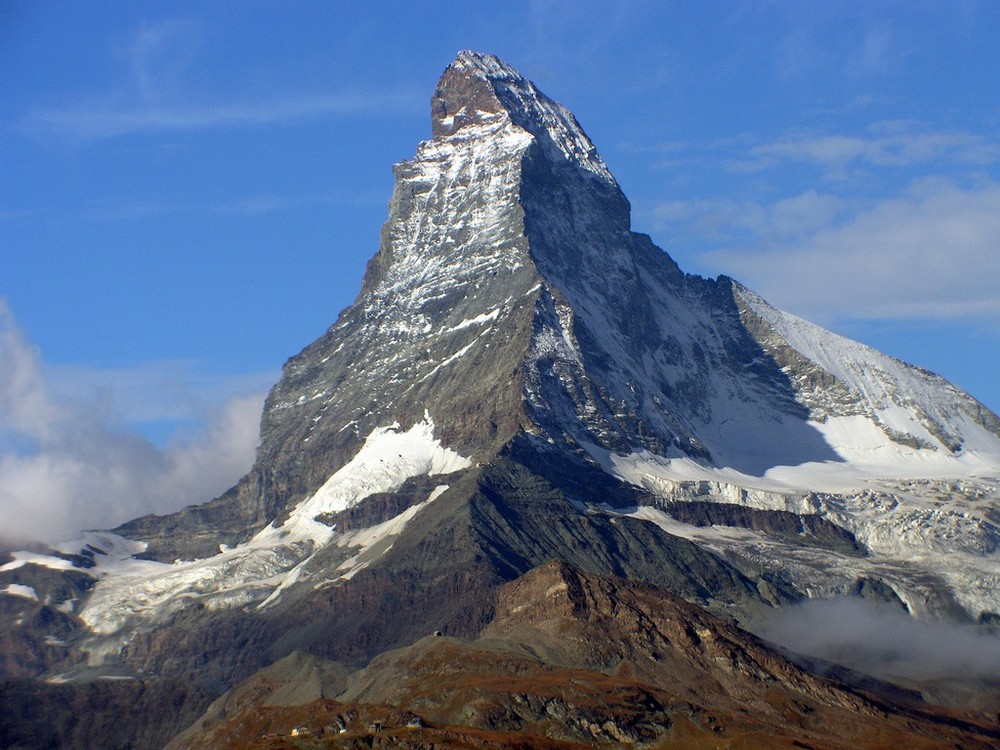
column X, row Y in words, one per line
column 572, row 661
column 522, row 378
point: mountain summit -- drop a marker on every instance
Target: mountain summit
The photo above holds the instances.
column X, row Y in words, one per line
column 524, row 378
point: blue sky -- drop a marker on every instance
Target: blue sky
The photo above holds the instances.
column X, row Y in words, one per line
column 190, row 192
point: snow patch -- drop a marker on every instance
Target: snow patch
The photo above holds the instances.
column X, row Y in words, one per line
column 468, row 322
column 133, row 592
column 46, row 561
column 17, row 589
column 386, row 460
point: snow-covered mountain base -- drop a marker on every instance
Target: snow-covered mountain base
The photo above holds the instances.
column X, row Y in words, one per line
column 135, row 594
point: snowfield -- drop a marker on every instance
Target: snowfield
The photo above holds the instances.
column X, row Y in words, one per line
column 133, row 593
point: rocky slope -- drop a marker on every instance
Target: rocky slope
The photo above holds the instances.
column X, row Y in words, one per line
column 572, row 660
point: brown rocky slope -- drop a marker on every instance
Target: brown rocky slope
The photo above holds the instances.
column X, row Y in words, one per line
column 571, row 661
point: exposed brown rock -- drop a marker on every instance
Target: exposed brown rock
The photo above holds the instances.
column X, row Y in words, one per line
column 572, row 661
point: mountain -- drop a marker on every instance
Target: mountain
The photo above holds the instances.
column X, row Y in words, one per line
column 571, row 661
column 524, row 378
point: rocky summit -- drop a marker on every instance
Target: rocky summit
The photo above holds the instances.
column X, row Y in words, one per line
column 522, row 378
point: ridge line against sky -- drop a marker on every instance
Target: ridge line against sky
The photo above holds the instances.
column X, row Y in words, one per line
column 203, row 185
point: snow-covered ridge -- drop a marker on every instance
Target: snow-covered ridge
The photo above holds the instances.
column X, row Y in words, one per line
column 557, row 130
column 908, row 404
column 132, row 592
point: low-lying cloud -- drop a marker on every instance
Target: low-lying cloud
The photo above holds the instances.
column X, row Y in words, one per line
column 883, row 640
column 68, row 463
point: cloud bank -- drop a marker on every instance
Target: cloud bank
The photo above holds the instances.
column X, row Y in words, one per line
column 882, row 640
column 67, row 464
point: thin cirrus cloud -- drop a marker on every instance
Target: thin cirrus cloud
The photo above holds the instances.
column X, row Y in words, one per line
column 251, row 205
column 67, row 463
column 896, row 145
column 93, row 122
column 158, row 96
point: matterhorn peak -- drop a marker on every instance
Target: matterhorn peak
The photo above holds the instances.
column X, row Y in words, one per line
column 478, row 88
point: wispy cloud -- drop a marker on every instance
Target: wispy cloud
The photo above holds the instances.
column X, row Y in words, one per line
column 931, row 252
column 164, row 390
column 823, row 41
column 160, row 95
column 248, row 205
column 67, row 462
column 726, row 220
column 159, row 55
column 273, row 203
column 884, row 148
column 97, row 122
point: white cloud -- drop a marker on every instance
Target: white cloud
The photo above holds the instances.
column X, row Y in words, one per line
column 888, row 145
column 884, row 641
column 64, row 468
column 804, row 213
column 932, row 252
column 726, row 220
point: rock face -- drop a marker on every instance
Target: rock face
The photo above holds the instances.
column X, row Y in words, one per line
column 510, row 304
column 523, row 378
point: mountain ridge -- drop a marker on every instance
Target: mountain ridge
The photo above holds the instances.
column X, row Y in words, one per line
column 577, row 659
column 510, row 303
column 550, row 252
